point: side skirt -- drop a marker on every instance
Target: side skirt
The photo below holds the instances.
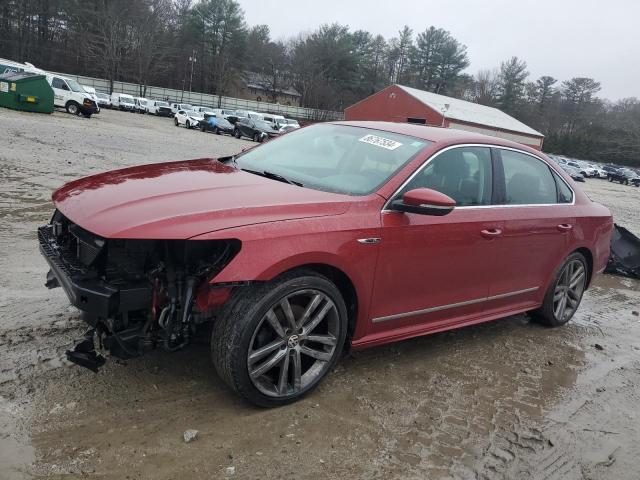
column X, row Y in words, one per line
column 410, row 331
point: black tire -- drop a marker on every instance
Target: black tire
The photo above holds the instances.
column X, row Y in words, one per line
column 187, row 124
column 236, row 133
column 202, row 127
column 547, row 313
column 216, row 130
column 610, row 179
column 175, row 122
column 72, row 107
column 243, row 317
column 256, row 137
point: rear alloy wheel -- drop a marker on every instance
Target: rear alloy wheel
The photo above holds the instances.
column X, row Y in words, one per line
column 187, row 124
column 276, row 342
column 175, row 122
column 236, row 133
column 565, row 293
column 256, row 137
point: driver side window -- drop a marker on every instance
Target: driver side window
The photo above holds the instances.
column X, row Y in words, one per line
column 59, row 83
column 463, row 173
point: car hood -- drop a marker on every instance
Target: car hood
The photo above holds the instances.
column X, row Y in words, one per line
column 179, row 200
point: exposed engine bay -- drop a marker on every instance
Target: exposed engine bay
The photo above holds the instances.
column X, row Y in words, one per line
column 136, row 295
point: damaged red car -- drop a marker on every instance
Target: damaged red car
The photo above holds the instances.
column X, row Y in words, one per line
column 346, row 234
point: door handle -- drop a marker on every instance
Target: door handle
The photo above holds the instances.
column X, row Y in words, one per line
column 564, row 227
column 491, row 233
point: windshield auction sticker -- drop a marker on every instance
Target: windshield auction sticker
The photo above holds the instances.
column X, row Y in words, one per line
column 381, row 142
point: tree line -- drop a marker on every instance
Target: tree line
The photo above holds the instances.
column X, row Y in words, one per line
column 207, row 45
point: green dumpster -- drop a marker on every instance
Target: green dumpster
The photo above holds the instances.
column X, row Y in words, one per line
column 26, row 91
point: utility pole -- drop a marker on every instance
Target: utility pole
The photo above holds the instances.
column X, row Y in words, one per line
column 192, row 59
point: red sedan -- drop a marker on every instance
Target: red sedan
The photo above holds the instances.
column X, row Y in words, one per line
column 340, row 234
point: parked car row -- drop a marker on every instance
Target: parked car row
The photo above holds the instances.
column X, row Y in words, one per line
column 624, row 175
column 239, row 123
column 581, row 169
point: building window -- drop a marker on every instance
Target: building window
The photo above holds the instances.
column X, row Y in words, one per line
column 419, row 121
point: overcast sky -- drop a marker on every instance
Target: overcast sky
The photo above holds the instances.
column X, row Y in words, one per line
column 561, row 38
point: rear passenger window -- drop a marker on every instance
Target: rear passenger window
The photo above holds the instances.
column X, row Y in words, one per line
column 528, row 181
column 462, row 173
column 565, row 195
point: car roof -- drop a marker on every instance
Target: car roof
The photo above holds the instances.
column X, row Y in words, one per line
column 437, row 134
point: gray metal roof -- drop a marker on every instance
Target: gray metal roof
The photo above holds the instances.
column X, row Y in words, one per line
column 470, row 112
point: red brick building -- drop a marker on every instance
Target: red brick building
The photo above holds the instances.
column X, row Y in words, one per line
column 398, row 103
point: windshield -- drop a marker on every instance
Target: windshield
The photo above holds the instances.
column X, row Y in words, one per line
column 162, row 104
column 185, row 106
column 103, row 96
column 335, row 158
column 126, row 100
column 75, row 86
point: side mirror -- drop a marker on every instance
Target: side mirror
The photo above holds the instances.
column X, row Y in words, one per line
column 424, row 201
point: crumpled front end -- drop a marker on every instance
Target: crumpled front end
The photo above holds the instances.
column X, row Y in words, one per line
column 135, row 294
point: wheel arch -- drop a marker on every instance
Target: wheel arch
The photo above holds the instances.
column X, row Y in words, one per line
column 344, row 284
column 586, row 253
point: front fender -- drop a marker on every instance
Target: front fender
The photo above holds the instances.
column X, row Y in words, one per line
column 269, row 250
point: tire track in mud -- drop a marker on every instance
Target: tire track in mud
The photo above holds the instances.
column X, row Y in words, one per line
column 577, row 437
column 477, row 412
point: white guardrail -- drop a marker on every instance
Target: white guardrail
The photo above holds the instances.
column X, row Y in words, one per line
column 205, row 99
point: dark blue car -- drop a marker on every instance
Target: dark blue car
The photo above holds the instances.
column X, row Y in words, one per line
column 218, row 125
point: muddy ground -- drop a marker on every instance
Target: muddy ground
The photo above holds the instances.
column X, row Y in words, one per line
column 508, row 399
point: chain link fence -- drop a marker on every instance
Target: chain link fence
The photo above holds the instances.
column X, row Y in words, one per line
column 208, row 100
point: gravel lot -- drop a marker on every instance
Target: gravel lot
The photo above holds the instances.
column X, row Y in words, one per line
column 508, row 399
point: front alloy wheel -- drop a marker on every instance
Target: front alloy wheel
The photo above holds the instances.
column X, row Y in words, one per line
column 275, row 342
column 294, row 343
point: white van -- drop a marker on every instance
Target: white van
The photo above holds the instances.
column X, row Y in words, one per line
column 274, row 120
column 180, row 106
column 202, row 109
column 123, row 101
column 70, row 95
column 159, row 107
column 248, row 114
column 141, row 104
column 67, row 93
